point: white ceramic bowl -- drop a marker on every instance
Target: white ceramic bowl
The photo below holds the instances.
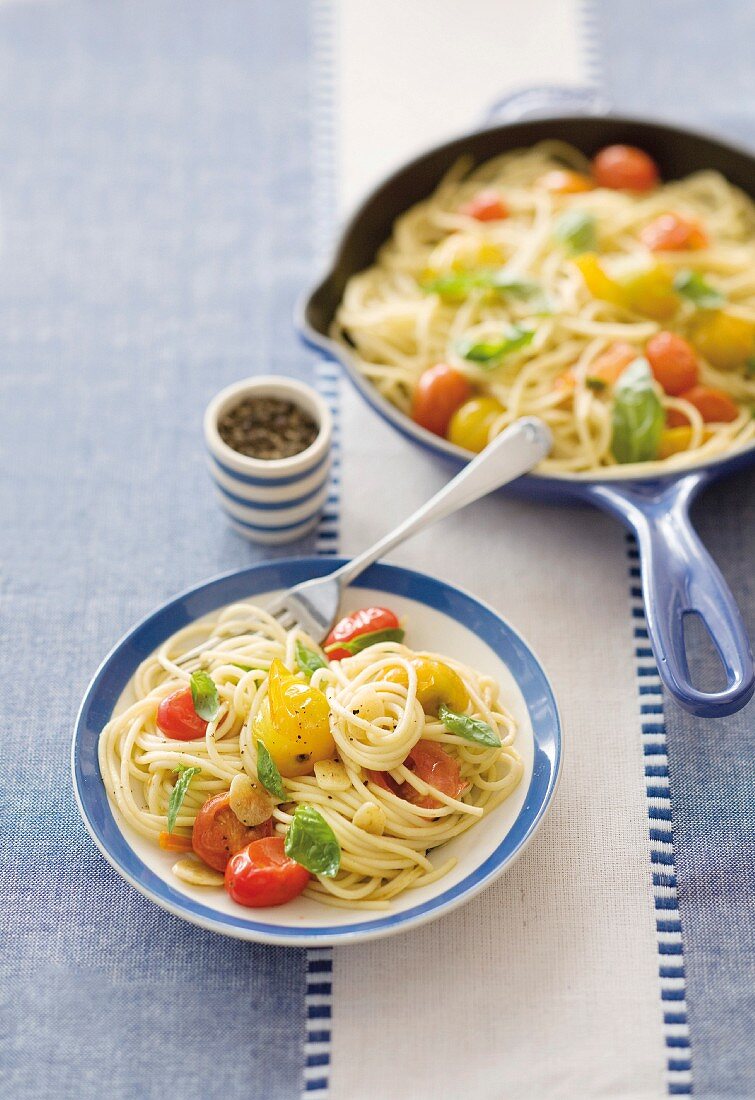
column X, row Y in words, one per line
column 438, row 617
column 270, row 500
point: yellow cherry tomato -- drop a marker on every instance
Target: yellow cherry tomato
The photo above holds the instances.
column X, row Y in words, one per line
column 673, row 441
column 725, row 341
column 597, row 281
column 470, row 424
column 436, row 684
column 294, row 723
column 651, row 291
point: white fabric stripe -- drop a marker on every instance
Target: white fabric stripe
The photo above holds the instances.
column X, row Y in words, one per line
column 555, row 968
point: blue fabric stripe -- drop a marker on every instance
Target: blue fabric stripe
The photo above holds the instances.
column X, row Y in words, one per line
column 157, row 169
column 710, row 761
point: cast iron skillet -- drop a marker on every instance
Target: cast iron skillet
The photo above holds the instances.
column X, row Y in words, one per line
column 679, row 577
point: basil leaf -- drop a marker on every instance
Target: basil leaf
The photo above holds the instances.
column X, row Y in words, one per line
column 307, row 660
column 597, row 385
column 460, row 283
column 750, row 367
column 488, row 352
column 244, row 668
column 471, row 729
column 204, row 693
column 362, row 641
column 267, row 772
column 312, row 842
column 638, row 416
column 178, row 793
column 693, row 286
column 577, row 230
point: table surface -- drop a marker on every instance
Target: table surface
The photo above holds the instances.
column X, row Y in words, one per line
column 170, row 173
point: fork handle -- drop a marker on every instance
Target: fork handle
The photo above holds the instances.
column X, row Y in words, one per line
column 512, row 453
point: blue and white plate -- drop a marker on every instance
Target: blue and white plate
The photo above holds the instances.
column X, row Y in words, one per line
column 438, row 617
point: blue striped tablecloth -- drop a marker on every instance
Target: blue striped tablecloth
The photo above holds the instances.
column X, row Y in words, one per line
column 160, row 212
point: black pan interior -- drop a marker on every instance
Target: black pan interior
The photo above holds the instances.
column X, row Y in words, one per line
column 677, row 152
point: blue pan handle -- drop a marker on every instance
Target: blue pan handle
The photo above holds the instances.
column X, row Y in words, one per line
column 679, row 577
column 544, row 100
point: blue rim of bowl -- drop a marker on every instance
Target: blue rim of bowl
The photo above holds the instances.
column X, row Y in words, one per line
column 119, row 665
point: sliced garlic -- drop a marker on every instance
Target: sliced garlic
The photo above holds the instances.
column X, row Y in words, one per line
column 249, row 800
column 331, row 775
column 192, row 870
column 370, row 817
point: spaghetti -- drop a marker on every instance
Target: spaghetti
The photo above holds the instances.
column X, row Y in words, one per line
column 379, row 780
column 524, row 278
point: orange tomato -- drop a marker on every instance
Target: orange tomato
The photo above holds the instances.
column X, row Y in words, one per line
column 564, row 181
column 612, row 362
column 439, row 392
column 486, row 206
column 430, row 762
column 624, row 168
column 714, row 406
column 673, row 233
column 673, row 362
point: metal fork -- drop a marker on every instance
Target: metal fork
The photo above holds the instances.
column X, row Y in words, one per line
column 313, row 605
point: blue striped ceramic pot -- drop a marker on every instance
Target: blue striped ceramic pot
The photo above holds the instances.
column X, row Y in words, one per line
column 270, row 500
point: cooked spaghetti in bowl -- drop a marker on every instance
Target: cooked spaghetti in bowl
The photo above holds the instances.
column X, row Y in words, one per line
column 272, row 767
column 619, row 308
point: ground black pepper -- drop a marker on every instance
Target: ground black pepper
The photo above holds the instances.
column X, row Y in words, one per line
column 267, row 428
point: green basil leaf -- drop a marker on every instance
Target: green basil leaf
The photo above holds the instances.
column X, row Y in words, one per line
column 307, row 660
column 750, row 367
column 459, row 284
column 362, row 641
column 178, row 793
column 244, row 668
column 312, row 842
column 205, row 695
column 489, row 352
column 577, row 230
column 694, row 287
column 267, row 772
column 638, row 416
column 597, row 385
column 471, row 729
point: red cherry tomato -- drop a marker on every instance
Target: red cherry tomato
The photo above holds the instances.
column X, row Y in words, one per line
column 439, row 393
column 262, row 874
column 673, row 361
column 714, row 406
column 673, row 233
column 431, row 762
column 367, row 621
column 624, row 168
column 486, row 206
column 384, row 780
column 177, row 718
column 218, row 834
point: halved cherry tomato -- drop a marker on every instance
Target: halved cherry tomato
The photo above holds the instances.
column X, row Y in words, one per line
column 261, row 874
column 611, row 363
column 673, row 362
column 439, row 392
column 367, row 621
column 294, row 723
column 564, row 181
column 673, row 233
column 624, row 168
column 177, row 718
column 714, row 406
column 218, row 834
column 486, row 206
column 430, row 762
column 384, row 780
